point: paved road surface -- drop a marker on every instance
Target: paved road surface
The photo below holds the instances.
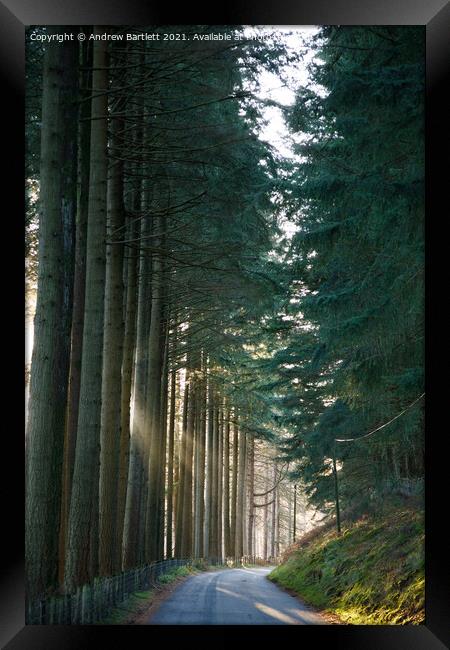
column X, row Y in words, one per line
column 233, row 597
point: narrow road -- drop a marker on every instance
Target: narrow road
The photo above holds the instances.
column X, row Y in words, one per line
column 233, row 597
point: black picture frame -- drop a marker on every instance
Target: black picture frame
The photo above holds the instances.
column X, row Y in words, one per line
column 434, row 15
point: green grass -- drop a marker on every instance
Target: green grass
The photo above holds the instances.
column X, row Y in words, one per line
column 174, row 574
column 131, row 605
column 372, row 574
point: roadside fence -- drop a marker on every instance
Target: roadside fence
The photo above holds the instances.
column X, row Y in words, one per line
column 92, row 603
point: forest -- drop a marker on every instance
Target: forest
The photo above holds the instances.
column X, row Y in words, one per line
column 227, row 345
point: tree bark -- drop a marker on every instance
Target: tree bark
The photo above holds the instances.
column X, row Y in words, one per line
column 336, row 496
column 51, row 351
column 187, row 540
column 199, row 471
column 226, row 485
column 113, row 341
column 153, row 400
column 209, row 472
column 163, row 450
column 251, row 490
column 177, row 457
column 213, row 541
column 84, row 502
column 84, row 137
column 220, row 480
column 127, row 377
column 278, row 524
column 203, row 407
column 266, row 518
column 273, row 513
column 133, row 528
column 234, row 487
column 239, row 550
column 170, row 454
column 294, row 530
column 181, row 476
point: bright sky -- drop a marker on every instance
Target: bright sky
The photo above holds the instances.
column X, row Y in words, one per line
column 275, row 132
column 296, row 38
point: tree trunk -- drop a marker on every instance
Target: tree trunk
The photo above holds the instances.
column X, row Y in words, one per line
column 163, row 450
column 209, row 474
column 132, row 536
column 226, row 485
column 84, row 503
column 266, row 519
column 153, row 401
column 289, row 515
column 220, row 480
column 187, row 541
column 170, row 454
column 251, row 490
column 199, row 470
column 177, row 456
column 273, row 513
column 234, row 487
column 127, row 375
column 336, row 496
column 51, row 351
column 244, row 504
column 203, row 406
column 294, row 530
column 213, row 541
column 181, row 476
column 113, row 340
column 84, row 137
column 277, row 525
column 239, row 550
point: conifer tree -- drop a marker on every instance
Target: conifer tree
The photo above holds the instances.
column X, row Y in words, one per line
column 82, row 543
column 50, row 360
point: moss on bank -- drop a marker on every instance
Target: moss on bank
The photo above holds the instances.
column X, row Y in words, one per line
column 372, row 574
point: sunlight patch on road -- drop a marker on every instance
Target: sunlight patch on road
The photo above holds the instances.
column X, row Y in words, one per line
column 275, row 613
column 230, row 593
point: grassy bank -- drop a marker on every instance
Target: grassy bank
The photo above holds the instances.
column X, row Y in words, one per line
column 372, row 574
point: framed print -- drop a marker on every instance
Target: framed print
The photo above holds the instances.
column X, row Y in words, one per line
column 228, row 275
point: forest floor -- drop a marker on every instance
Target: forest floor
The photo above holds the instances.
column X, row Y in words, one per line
column 372, row 574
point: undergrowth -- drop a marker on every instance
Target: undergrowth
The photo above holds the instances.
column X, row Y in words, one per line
column 372, row 574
